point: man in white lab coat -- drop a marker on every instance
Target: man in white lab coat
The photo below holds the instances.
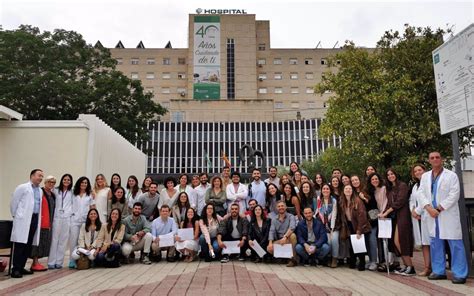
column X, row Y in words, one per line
column 237, row 193
column 440, row 190
column 25, row 209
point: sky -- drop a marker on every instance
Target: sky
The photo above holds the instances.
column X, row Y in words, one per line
column 293, row 24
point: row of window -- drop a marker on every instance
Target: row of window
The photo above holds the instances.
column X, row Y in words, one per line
column 164, row 75
column 279, row 76
column 292, row 61
column 293, row 90
column 152, row 61
column 167, row 90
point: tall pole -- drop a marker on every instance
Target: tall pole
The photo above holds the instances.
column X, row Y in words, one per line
column 462, row 201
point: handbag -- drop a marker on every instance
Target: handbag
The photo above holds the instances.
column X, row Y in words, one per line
column 373, row 214
column 83, row 262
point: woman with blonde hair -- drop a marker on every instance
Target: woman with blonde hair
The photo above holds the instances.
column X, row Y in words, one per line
column 101, row 195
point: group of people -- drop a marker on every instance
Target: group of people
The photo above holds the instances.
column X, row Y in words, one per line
column 226, row 219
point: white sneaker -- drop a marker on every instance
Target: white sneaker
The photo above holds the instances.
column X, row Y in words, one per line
column 372, row 266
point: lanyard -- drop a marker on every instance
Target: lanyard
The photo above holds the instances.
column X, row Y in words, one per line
column 63, row 194
column 434, row 182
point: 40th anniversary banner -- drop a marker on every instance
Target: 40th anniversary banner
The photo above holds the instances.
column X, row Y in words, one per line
column 207, row 56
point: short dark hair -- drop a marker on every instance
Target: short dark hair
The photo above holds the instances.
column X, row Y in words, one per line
column 170, row 179
column 252, row 199
column 235, row 173
column 34, row 171
column 138, row 204
column 235, row 204
column 226, row 167
column 273, row 167
column 154, row 183
column 256, row 169
column 337, row 169
column 203, row 174
column 165, row 207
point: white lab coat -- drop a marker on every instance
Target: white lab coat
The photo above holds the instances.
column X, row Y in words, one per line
column 239, row 196
column 21, row 209
column 447, row 197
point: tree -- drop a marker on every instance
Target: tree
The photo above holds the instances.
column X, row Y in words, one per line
column 385, row 105
column 57, row 76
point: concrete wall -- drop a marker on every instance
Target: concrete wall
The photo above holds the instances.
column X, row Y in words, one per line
column 83, row 147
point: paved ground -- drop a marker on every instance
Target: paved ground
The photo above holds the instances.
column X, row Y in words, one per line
column 233, row 278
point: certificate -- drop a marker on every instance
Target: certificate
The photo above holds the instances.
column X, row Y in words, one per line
column 358, row 245
column 385, row 228
column 258, row 249
column 186, row 233
column 232, row 247
column 166, row 240
column 282, row 251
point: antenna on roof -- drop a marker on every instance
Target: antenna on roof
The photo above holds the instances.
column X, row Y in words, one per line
column 119, row 45
column 140, row 45
column 337, row 42
column 168, row 45
column 319, row 43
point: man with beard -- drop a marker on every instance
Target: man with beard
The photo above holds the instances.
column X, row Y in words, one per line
column 233, row 228
column 200, row 191
column 312, row 239
column 237, row 193
column 273, row 176
column 149, row 201
column 257, row 189
column 137, row 234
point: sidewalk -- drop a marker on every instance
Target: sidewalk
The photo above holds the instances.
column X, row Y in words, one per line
column 233, row 278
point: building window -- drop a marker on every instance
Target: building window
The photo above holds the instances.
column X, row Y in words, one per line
column 308, row 61
column 278, row 90
column 262, row 90
column 278, row 105
column 326, row 105
column 177, row 116
column 293, row 75
column 295, row 90
column 324, row 61
column 311, row 105
column 310, row 90
column 309, row 75
column 327, row 91
column 293, row 61
column 295, row 105
column 277, row 61
column 150, row 75
column 261, row 62
column 134, row 75
column 277, row 76
column 150, row 90
column 261, row 46
column 150, row 61
column 262, row 76
column 166, row 61
column 181, row 61
column 230, row 69
column 181, row 75
column 119, row 61
column 165, row 104
column 165, row 90
column 134, row 61
column 338, row 62
column 166, row 75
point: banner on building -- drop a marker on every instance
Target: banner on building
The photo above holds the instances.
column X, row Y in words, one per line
column 207, row 58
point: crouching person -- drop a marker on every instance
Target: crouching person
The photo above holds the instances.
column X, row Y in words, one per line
column 161, row 226
column 137, row 235
column 312, row 239
column 110, row 238
column 233, row 228
column 282, row 231
column 88, row 237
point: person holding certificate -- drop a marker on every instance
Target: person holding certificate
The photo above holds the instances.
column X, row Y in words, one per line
column 259, row 229
column 312, row 239
column 282, row 231
column 233, row 228
column 353, row 208
column 163, row 230
column 188, row 247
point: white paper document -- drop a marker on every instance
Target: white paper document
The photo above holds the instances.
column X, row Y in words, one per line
column 166, row 240
column 385, row 228
column 232, row 247
column 282, row 251
column 86, row 252
column 186, row 233
column 258, row 249
column 358, row 245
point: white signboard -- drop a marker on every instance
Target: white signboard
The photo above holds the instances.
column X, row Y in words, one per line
column 454, row 76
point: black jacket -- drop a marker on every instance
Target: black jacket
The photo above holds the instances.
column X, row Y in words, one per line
column 260, row 235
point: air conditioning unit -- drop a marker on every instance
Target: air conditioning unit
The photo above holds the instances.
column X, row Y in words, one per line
column 183, row 93
column 260, row 79
column 260, row 65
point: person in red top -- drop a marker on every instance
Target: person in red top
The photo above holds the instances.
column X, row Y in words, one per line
column 46, row 221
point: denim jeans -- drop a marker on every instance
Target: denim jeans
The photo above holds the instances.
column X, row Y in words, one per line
column 205, row 247
column 320, row 252
column 333, row 241
column 373, row 245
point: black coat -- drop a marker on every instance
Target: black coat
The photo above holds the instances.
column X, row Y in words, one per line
column 260, row 235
